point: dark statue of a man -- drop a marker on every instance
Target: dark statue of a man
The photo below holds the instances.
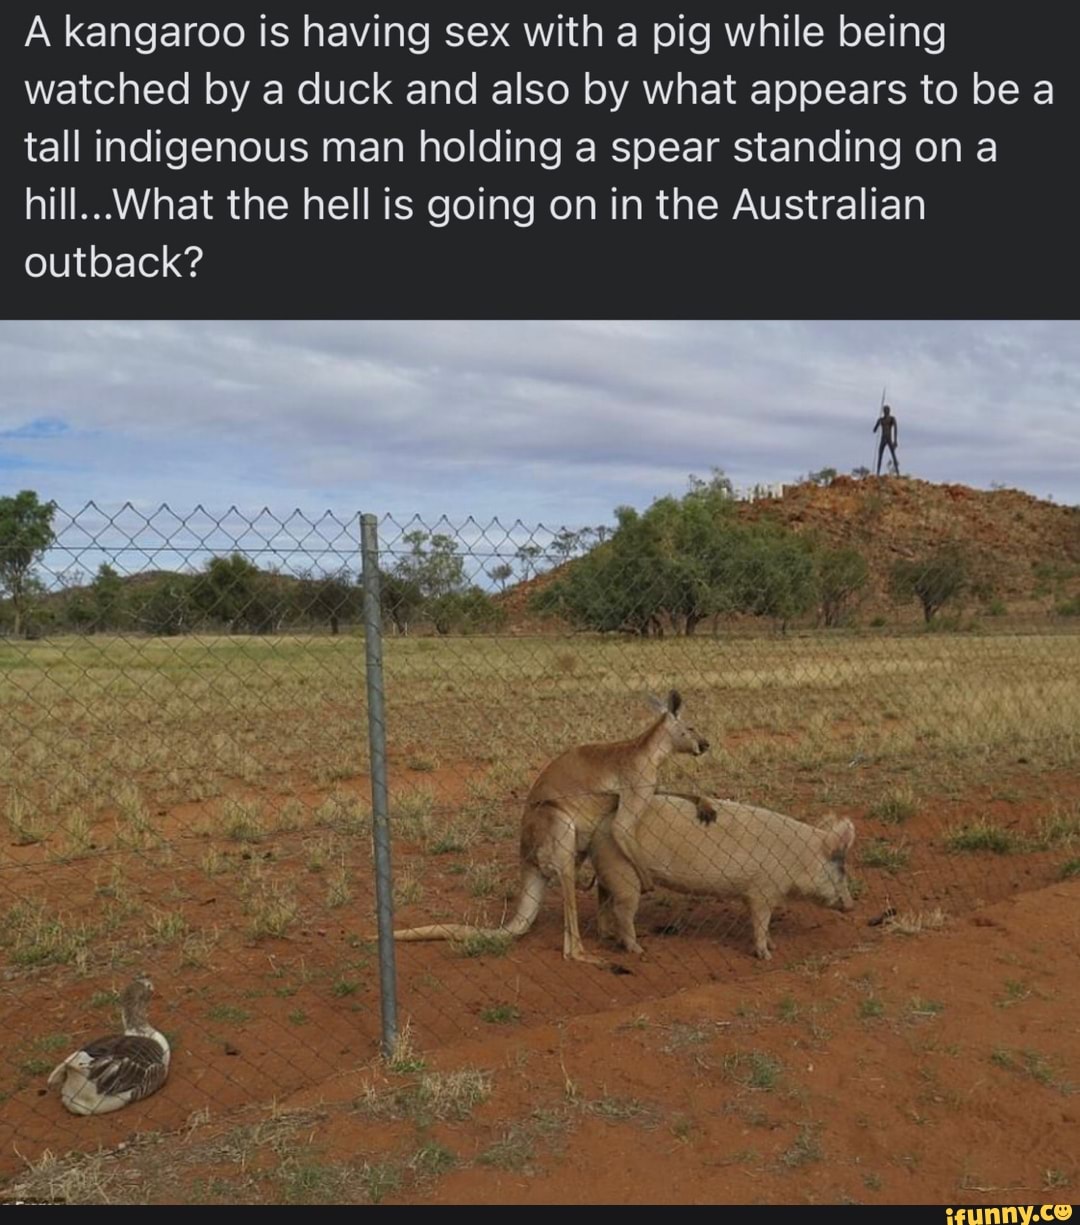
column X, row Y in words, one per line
column 889, row 436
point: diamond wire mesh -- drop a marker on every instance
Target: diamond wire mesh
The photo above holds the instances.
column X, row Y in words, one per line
column 184, row 775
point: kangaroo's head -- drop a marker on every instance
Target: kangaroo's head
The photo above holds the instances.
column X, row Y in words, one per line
column 681, row 736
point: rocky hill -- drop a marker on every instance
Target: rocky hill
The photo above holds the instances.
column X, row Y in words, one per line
column 1015, row 537
column 1028, row 548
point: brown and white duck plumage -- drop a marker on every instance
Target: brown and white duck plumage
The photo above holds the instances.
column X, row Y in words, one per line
column 110, row 1072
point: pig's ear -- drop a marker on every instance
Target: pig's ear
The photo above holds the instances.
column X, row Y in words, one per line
column 839, row 835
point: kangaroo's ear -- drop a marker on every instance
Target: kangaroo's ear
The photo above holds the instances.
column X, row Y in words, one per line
column 655, row 704
column 674, row 701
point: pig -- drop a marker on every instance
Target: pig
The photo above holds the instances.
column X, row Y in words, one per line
column 701, row 845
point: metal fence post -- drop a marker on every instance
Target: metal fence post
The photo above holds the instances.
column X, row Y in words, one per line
column 380, row 807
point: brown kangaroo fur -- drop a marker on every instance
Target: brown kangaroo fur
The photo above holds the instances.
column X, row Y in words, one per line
column 570, row 797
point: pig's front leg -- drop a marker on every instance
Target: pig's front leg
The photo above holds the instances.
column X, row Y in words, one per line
column 760, row 915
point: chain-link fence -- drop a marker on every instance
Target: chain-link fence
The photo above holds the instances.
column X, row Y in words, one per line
column 187, row 762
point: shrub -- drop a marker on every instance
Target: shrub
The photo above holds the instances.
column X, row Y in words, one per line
column 842, row 575
column 934, row 580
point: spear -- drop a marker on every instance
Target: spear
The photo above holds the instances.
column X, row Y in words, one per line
column 892, row 462
column 875, row 445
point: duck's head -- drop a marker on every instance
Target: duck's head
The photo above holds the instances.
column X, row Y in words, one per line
column 137, row 995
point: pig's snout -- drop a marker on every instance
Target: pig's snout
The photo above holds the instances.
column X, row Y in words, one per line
column 844, row 900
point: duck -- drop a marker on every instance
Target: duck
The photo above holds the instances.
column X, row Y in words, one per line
column 113, row 1071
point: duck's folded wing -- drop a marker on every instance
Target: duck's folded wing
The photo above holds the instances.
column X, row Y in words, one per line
column 125, row 1063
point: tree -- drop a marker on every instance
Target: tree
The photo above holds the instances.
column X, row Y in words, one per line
column 682, row 561
column 772, row 573
column 690, row 543
column 613, row 587
column 824, row 476
column 1052, row 579
column 71, row 605
column 717, row 485
column 432, row 566
column 842, row 575
column 165, row 606
column 430, row 582
column 329, row 598
column 465, row 612
column 566, row 543
column 861, row 472
column 236, row 593
column 501, row 573
column 38, row 615
column 528, row 555
column 26, row 532
column 401, row 600
column 78, row 612
column 934, row 580
column 107, row 598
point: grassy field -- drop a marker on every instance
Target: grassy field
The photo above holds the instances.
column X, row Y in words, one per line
column 113, row 745
column 200, row 807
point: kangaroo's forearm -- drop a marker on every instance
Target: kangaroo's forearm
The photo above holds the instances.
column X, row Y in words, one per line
column 631, row 807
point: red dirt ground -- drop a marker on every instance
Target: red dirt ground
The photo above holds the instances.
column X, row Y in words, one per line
column 916, row 1101
column 940, row 1067
column 990, row 1102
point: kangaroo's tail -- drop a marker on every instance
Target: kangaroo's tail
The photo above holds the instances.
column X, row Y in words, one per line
column 447, row 931
column 528, row 907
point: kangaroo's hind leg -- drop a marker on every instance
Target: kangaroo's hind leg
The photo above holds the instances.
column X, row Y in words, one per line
column 625, row 898
column 618, row 890
column 558, row 857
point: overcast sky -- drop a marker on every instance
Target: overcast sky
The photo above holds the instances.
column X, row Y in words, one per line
column 551, row 422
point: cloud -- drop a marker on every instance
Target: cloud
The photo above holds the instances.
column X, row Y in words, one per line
column 552, row 421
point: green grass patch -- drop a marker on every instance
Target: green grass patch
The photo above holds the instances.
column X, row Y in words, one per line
column 512, row 1151
column 895, row 806
column 753, row 1070
column 983, row 835
column 501, row 1014
column 483, row 944
column 229, row 1013
column 806, row 1149
column 432, row 1159
column 881, row 853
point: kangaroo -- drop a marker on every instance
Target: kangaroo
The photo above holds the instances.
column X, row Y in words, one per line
column 721, row 848
column 569, row 798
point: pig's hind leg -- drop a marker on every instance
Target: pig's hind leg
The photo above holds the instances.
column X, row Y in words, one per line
column 623, row 903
